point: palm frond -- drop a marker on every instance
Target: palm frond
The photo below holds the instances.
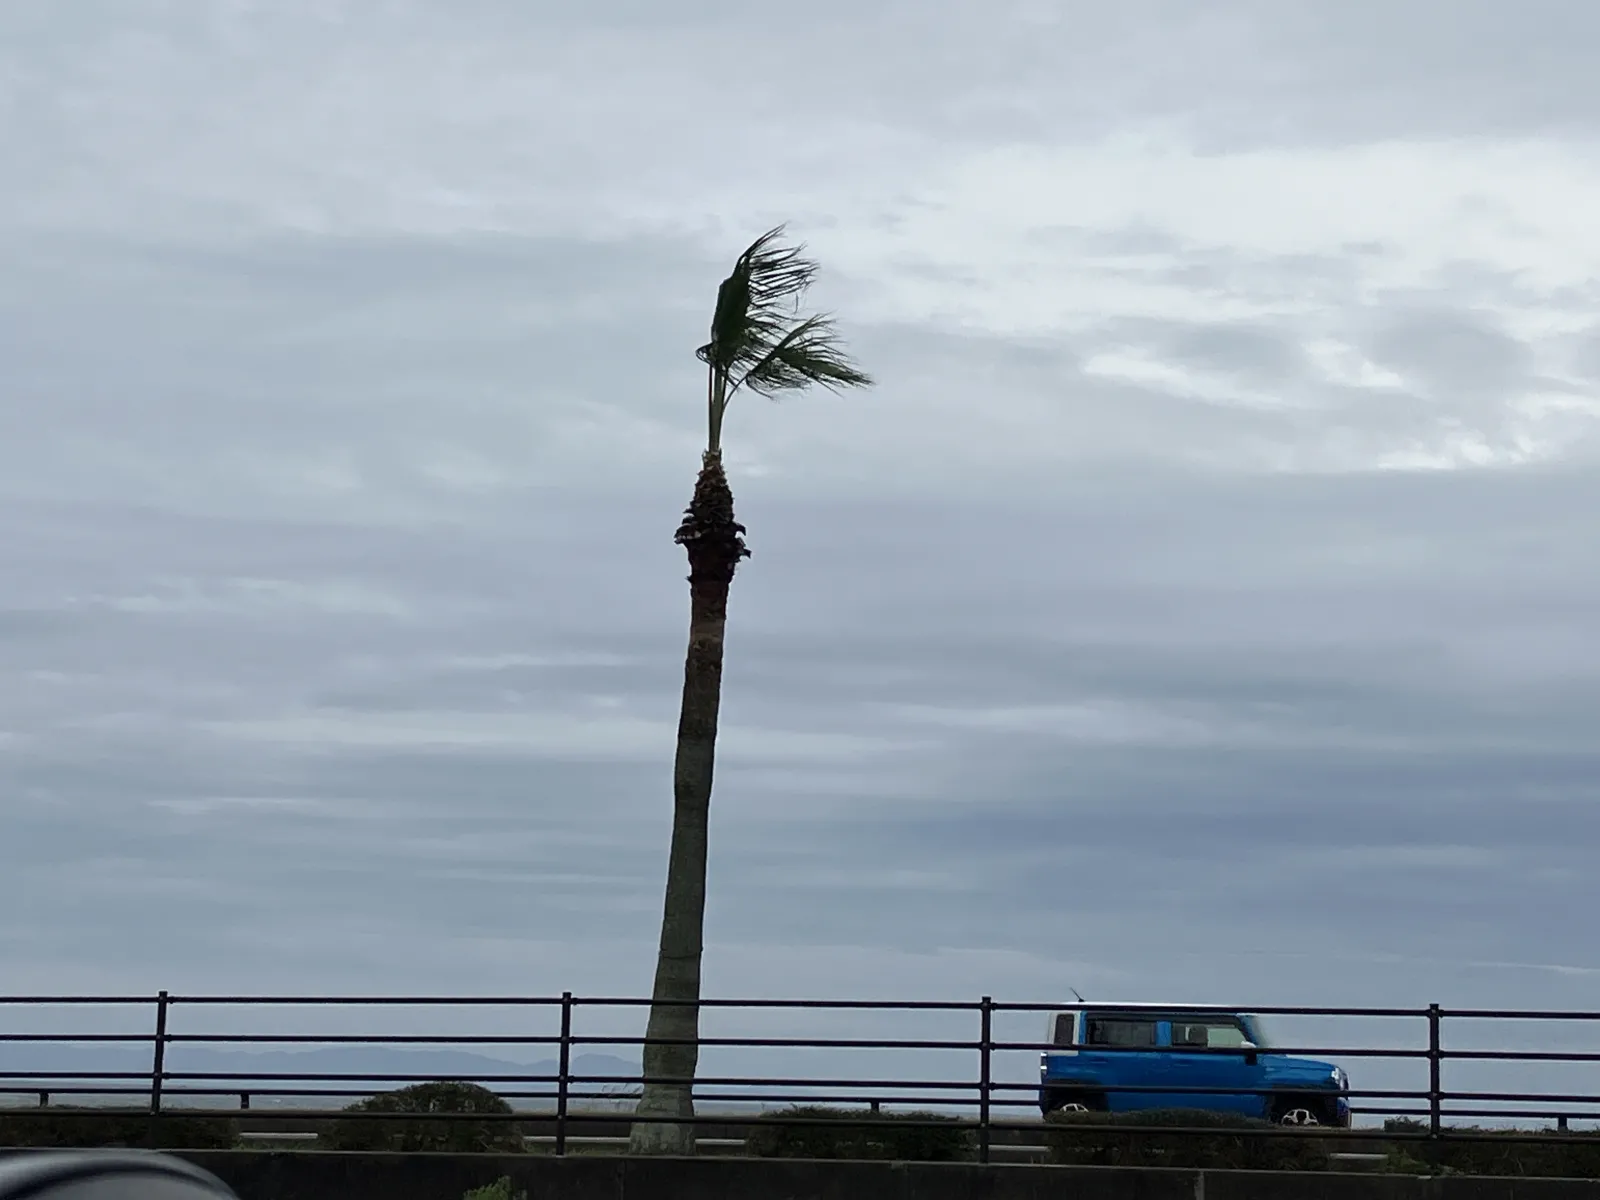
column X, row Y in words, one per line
column 809, row 353
column 767, row 278
column 777, row 272
column 759, row 339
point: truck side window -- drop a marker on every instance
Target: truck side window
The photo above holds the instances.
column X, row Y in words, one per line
column 1213, row 1034
column 1228, row 1036
column 1064, row 1029
column 1119, row 1031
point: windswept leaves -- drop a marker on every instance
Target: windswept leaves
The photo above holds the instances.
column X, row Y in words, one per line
column 759, row 338
column 811, row 352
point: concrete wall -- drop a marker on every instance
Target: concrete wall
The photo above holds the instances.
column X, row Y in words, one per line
column 325, row 1176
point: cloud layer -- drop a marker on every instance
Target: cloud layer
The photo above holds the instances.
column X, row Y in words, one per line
column 1201, row 606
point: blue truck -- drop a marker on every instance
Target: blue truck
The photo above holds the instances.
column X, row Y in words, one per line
column 1123, row 1058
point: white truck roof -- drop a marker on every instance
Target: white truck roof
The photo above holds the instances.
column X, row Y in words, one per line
column 1134, row 1005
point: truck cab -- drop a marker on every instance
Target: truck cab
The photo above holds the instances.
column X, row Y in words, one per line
column 1123, row 1058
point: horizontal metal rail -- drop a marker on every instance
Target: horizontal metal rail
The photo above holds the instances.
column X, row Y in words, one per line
column 980, row 1090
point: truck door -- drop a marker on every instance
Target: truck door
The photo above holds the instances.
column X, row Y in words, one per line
column 1121, row 1051
column 1210, row 1052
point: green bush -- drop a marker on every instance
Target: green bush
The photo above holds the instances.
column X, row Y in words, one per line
column 84, row 1126
column 859, row 1133
column 1405, row 1125
column 500, row 1189
column 1501, row 1152
column 410, row 1131
column 1239, row 1143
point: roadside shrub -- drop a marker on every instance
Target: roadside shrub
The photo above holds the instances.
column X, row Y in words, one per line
column 1239, row 1143
column 1404, row 1125
column 500, row 1189
column 411, row 1131
column 1500, row 1153
column 74, row 1126
column 1409, row 1157
column 859, row 1133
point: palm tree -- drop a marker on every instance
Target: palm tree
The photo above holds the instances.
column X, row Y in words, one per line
column 761, row 342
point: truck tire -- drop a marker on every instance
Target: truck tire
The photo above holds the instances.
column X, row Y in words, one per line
column 1073, row 1100
column 1302, row 1110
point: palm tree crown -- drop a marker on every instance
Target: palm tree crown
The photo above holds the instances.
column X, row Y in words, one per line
column 759, row 339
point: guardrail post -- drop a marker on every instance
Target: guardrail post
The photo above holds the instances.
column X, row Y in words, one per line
column 563, row 1069
column 44, row 1099
column 158, row 1068
column 1435, row 1058
column 985, row 1073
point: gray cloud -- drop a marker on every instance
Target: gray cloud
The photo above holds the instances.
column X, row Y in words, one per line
column 1453, row 355
column 1237, row 349
column 1199, row 606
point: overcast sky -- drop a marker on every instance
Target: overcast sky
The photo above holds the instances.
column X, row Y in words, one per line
column 1201, row 608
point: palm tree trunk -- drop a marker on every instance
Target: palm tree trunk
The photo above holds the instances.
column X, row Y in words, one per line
column 715, row 544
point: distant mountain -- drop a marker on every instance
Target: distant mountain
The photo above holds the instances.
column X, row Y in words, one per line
column 241, row 1070
column 246, row 1071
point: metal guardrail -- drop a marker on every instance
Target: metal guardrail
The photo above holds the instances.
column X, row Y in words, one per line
column 566, row 1091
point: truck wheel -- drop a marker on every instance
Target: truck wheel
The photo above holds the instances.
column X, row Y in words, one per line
column 1077, row 1102
column 1299, row 1110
